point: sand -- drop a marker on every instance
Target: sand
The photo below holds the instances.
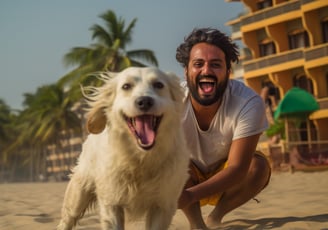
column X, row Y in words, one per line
column 291, row 201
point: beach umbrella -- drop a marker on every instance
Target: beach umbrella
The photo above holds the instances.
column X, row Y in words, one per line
column 297, row 103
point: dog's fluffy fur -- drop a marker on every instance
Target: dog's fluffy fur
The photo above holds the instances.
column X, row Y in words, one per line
column 134, row 163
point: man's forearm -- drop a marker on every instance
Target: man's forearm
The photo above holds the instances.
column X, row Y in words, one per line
column 219, row 183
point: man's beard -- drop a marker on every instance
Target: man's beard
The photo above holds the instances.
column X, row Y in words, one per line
column 218, row 91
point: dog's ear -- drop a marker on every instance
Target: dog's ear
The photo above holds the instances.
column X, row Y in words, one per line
column 96, row 121
column 176, row 89
column 99, row 100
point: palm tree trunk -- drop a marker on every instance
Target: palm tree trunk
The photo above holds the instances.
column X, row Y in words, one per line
column 31, row 168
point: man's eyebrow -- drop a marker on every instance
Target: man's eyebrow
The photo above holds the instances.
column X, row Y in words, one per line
column 212, row 60
column 217, row 60
column 197, row 59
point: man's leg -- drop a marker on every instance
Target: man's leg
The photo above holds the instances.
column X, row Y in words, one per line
column 257, row 178
column 193, row 212
column 194, row 216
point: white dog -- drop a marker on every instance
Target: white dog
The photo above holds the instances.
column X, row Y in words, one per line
column 135, row 161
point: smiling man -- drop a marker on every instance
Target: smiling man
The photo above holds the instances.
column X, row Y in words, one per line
column 223, row 121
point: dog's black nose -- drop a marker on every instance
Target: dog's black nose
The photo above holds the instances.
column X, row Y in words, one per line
column 144, row 103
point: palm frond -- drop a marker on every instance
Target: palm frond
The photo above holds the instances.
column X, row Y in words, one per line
column 78, row 56
column 112, row 23
column 128, row 32
column 99, row 33
column 143, row 54
column 75, row 74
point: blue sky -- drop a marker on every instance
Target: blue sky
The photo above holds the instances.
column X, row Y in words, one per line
column 36, row 34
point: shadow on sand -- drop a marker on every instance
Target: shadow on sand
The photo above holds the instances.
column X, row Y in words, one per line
column 270, row 223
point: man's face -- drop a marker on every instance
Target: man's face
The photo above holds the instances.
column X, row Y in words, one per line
column 207, row 74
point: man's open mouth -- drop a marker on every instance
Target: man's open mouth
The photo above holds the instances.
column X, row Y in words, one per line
column 144, row 129
column 207, row 85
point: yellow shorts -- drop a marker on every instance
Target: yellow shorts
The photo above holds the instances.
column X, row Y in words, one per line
column 201, row 177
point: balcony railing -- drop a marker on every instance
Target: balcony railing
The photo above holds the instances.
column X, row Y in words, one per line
column 316, row 52
column 306, row 1
column 323, row 103
column 271, row 12
column 273, row 60
column 235, row 27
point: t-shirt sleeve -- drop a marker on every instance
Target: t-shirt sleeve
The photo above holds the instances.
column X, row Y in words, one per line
column 252, row 119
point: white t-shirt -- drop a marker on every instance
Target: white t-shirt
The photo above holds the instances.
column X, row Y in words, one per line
column 241, row 114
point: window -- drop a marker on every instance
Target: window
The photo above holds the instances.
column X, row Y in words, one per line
column 324, row 27
column 264, row 4
column 304, row 83
column 298, row 39
column 305, row 131
column 267, row 48
column 326, row 84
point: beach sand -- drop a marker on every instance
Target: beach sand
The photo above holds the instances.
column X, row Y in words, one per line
column 291, row 201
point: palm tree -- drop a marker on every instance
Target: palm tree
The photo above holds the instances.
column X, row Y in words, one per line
column 6, row 137
column 4, row 121
column 107, row 54
column 52, row 112
column 46, row 118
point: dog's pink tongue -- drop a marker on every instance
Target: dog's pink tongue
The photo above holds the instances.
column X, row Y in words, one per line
column 144, row 129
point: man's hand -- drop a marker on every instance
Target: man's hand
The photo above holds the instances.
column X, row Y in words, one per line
column 185, row 199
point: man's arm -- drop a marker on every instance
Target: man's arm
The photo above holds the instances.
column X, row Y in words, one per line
column 239, row 159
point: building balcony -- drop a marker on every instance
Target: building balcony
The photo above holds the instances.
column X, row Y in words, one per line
column 235, row 31
column 271, row 12
column 323, row 103
column 310, row 55
column 274, row 11
column 316, row 52
column 272, row 60
column 306, row 1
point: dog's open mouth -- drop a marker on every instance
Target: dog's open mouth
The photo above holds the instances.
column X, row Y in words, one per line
column 144, row 128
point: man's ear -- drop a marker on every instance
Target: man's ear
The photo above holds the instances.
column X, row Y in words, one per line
column 229, row 73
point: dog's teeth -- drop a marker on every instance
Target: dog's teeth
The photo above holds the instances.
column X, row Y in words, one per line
column 156, row 120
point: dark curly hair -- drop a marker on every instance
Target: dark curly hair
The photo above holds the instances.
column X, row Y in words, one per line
column 210, row 36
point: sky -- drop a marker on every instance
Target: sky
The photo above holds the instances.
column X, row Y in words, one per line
column 36, row 34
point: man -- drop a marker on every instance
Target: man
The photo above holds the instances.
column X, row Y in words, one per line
column 223, row 121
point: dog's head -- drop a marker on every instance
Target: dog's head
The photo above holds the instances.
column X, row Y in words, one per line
column 141, row 98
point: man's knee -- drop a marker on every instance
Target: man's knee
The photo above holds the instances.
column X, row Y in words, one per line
column 260, row 171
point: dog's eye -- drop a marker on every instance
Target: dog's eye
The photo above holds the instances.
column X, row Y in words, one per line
column 158, row 85
column 126, row 86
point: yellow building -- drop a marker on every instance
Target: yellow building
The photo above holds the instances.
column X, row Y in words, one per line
column 287, row 46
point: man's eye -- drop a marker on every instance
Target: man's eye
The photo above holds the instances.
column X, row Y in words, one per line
column 126, row 86
column 198, row 64
column 216, row 65
column 158, row 85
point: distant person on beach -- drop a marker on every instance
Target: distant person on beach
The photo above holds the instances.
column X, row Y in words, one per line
column 223, row 120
